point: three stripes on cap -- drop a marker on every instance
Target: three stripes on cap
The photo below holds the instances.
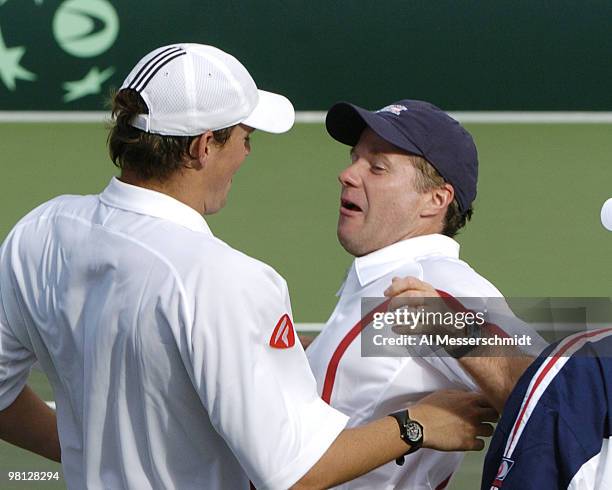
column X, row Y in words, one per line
column 151, row 67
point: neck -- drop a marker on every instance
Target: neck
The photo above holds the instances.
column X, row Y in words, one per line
column 174, row 186
column 427, row 228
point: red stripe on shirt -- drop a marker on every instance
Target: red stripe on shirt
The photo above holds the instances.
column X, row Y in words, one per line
column 332, row 367
column 443, row 485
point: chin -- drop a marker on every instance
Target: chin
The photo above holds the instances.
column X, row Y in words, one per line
column 215, row 208
column 352, row 246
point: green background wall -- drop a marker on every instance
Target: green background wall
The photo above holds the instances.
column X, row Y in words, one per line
column 462, row 55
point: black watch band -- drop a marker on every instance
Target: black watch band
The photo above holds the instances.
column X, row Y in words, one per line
column 411, row 432
column 471, row 332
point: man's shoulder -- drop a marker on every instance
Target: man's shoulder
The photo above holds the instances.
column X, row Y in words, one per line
column 237, row 262
column 456, row 277
column 31, row 226
column 549, row 383
column 67, row 203
column 232, row 271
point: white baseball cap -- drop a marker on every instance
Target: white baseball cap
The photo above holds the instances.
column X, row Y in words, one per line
column 192, row 88
column 606, row 214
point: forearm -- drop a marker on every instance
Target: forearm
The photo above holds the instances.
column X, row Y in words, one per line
column 354, row 453
column 496, row 375
column 29, row 423
column 450, row 421
column 495, row 368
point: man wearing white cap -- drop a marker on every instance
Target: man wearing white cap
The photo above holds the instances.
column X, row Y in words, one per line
column 172, row 356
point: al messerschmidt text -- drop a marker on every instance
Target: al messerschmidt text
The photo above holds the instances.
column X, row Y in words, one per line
column 451, row 341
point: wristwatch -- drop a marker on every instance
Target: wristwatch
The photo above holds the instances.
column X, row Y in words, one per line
column 411, row 432
column 471, row 332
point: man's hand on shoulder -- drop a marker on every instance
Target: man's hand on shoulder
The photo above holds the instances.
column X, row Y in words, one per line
column 454, row 420
column 495, row 369
column 410, row 293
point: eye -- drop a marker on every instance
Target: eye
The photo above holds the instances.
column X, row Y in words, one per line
column 378, row 168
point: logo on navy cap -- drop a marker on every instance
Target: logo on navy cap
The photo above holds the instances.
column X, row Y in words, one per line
column 394, row 108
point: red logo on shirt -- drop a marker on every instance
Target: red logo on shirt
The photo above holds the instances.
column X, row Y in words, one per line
column 283, row 336
column 504, row 468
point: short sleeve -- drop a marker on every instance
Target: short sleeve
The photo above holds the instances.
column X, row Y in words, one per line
column 15, row 362
column 261, row 399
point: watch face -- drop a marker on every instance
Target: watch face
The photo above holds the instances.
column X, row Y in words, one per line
column 414, row 431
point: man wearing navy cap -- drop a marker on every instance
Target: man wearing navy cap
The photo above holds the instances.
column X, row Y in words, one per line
column 407, row 191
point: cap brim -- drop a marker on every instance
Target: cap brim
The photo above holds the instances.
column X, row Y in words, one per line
column 606, row 214
column 273, row 113
column 345, row 122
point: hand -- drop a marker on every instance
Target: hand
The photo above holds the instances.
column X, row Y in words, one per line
column 454, row 420
column 411, row 288
column 411, row 293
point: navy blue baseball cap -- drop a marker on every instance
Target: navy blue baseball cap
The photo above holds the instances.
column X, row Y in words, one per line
column 419, row 128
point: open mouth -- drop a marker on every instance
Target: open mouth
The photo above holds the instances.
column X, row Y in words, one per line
column 349, row 205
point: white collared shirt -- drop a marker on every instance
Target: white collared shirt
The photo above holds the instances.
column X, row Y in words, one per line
column 155, row 336
column 367, row 388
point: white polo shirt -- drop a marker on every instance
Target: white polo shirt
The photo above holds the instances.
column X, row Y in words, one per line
column 367, row 388
column 156, row 337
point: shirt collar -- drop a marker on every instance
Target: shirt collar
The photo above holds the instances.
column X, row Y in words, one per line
column 381, row 262
column 140, row 200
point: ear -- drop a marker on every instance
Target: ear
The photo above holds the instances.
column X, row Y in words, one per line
column 200, row 150
column 438, row 200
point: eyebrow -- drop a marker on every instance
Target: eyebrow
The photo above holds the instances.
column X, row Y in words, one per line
column 379, row 154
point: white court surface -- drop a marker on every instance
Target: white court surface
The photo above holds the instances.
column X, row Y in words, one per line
column 318, row 117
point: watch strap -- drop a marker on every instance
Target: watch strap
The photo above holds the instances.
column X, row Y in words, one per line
column 403, row 419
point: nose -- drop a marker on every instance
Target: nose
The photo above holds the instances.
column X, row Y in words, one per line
column 349, row 177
